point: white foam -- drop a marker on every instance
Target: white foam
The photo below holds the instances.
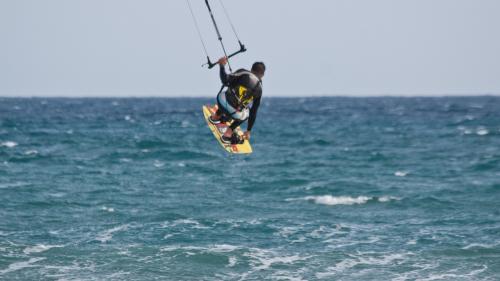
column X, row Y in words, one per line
column 158, row 164
column 20, row 265
column 481, row 131
column 40, row 248
column 338, row 200
column 387, row 198
column 193, row 223
column 479, row 245
column 263, row 259
column 412, row 242
column 167, row 236
column 9, row 144
column 223, row 248
column 349, row 263
column 232, row 261
column 31, row 152
column 401, row 173
column 288, row 231
column 108, row 234
column 454, row 276
column 107, row 209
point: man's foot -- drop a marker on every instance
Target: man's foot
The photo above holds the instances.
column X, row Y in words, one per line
column 233, row 139
column 226, row 140
column 213, row 121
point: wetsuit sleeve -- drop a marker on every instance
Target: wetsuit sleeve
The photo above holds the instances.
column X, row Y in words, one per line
column 253, row 113
column 225, row 78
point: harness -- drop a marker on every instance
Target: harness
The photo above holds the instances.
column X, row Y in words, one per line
column 243, row 94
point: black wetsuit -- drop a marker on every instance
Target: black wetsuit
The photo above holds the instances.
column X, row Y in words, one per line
column 238, row 98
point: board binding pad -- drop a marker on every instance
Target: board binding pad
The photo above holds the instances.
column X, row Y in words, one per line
column 219, row 129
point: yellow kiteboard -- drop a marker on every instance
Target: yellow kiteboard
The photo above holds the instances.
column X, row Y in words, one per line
column 219, row 129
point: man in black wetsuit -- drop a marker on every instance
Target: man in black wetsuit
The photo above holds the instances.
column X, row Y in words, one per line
column 244, row 90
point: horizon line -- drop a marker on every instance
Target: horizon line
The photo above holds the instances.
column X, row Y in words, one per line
column 270, row 96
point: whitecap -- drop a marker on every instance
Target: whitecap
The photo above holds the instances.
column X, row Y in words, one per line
column 167, row 236
column 158, row 164
column 338, row 200
column 360, row 260
column 263, row 259
column 40, row 248
column 9, row 144
column 343, row 200
column 387, row 198
column 401, row 173
column 452, row 275
column 20, row 265
column 193, row 223
column 31, row 152
column 479, row 245
column 223, row 248
column 481, row 131
column 412, row 242
column 108, row 234
column 107, row 209
column 232, row 261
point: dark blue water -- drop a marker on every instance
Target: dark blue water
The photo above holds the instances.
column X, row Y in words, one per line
column 336, row 189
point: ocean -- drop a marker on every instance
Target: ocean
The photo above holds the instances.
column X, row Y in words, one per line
column 337, row 188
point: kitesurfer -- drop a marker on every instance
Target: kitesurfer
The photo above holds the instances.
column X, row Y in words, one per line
column 240, row 101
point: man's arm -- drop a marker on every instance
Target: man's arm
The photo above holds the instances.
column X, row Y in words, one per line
column 225, row 78
column 253, row 113
column 223, row 75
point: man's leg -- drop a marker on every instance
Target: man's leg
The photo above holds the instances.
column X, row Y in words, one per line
column 230, row 129
column 217, row 115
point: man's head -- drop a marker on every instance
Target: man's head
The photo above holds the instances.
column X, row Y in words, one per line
column 259, row 68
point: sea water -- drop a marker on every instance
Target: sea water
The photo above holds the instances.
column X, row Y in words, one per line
column 336, row 189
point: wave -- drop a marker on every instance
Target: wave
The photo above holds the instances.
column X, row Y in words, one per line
column 40, row 248
column 344, row 200
column 354, row 261
column 107, row 235
column 8, row 144
column 20, row 265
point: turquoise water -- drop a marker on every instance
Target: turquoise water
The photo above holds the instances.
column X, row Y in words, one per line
column 336, row 189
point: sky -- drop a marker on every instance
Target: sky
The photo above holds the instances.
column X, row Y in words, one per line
column 311, row 48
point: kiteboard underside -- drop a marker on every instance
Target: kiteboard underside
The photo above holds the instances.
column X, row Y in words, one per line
column 219, row 129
